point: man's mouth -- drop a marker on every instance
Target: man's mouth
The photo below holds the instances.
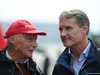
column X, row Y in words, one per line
column 31, row 51
column 65, row 39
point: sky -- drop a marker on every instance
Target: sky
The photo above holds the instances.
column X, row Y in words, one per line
column 48, row 10
column 37, row 9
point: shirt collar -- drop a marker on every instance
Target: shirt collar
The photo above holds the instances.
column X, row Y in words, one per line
column 87, row 49
column 8, row 55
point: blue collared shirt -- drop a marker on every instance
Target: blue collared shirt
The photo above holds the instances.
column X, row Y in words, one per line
column 78, row 64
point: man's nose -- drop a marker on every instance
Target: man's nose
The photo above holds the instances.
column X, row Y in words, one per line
column 63, row 33
column 34, row 43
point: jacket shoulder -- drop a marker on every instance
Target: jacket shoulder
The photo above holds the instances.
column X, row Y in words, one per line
column 34, row 65
column 98, row 54
column 61, row 70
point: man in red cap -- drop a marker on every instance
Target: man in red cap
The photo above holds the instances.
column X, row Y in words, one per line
column 15, row 59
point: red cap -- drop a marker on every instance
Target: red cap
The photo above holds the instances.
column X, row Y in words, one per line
column 22, row 26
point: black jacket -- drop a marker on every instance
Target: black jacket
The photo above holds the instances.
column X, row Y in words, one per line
column 91, row 67
column 8, row 67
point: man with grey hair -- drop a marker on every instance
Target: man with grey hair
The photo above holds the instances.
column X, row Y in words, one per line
column 81, row 56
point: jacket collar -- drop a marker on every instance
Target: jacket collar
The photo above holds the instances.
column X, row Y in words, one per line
column 92, row 53
column 3, row 54
column 64, row 59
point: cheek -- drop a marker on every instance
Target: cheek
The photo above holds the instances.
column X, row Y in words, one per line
column 26, row 44
column 77, row 32
column 21, row 45
column 76, row 35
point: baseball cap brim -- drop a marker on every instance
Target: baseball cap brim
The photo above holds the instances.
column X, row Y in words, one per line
column 35, row 32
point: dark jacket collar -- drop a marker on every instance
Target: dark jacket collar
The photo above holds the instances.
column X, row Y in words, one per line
column 64, row 59
column 3, row 55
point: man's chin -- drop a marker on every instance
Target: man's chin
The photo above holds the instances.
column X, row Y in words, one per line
column 66, row 45
column 29, row 56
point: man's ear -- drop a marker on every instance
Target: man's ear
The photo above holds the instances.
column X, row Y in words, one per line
column 12, row 39
column 85, row 28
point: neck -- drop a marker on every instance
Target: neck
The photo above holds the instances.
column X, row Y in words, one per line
column 78, row 49
column 16, row 57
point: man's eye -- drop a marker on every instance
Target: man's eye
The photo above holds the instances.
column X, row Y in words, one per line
column 60, row 29
column 30, row 38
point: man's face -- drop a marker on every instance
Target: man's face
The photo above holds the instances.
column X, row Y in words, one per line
column 25, row 44
column 71, row 34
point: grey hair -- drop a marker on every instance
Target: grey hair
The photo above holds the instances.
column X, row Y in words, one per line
column 80, row 16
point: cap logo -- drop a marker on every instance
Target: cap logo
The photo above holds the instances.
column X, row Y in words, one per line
column 29, row 26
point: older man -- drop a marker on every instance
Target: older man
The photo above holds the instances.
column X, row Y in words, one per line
column 15, row 59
